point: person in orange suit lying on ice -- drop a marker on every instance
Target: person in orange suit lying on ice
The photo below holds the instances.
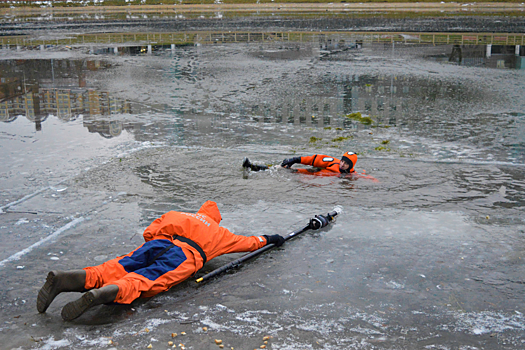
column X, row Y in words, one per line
column 322, row 165
column 177, row 245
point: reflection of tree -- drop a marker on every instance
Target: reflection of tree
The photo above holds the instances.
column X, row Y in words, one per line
column 115, row 128
column 456, row 54
column 105, row 128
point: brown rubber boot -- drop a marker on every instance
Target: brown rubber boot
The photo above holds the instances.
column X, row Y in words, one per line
column 58, row 282
column 92, row 298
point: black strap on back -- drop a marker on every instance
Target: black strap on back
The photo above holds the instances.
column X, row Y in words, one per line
column 160, row 254
column 193, row 244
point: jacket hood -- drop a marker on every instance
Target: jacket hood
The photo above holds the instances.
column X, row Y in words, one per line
column 210, row 209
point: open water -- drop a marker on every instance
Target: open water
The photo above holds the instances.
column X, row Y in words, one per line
column 97, row 142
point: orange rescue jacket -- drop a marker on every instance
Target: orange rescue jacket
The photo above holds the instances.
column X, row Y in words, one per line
column 329, row 165
column 202, row 228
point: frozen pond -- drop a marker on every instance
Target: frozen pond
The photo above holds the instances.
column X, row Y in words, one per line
column 99, row 140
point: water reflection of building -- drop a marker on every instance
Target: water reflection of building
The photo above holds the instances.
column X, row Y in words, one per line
column 66, row 104
column 385, row 98
column 39, row 88
column 487, row 50
column 490, row 56
column 60, row 89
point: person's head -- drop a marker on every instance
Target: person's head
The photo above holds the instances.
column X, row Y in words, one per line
column 348, row 162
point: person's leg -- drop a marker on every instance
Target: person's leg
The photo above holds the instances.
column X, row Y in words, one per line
column 104, row 295
column 143, row 282
column 154, row 269
column 247, row 164
column 111, row 270
column 58, row 282
column 101, row 290
column 79, row 280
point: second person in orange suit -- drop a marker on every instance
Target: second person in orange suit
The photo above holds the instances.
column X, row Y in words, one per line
column 322, row 165
column 325, row 165
column 328, row 165
column 177, row 245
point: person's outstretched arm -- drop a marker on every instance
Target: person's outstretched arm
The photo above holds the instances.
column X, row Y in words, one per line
column 232, row 243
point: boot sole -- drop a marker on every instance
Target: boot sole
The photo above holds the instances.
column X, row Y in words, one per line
column 45, row 296
column 76, row 308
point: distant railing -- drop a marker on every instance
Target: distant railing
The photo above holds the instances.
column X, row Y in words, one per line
column 208, row 37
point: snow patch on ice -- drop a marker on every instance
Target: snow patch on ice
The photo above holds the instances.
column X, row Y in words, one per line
column 50, row 343
column 155, row 322
column 223, row 308
column 395, row 285
column 97, row 342
column 22, row 221
column 489, row 322
column 325, row 327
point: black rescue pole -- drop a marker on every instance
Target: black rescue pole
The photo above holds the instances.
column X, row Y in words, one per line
column 316, row 223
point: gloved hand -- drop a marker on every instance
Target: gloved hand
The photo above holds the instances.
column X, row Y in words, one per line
column 287, row 163
column 278, row 240
column 318, row 222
